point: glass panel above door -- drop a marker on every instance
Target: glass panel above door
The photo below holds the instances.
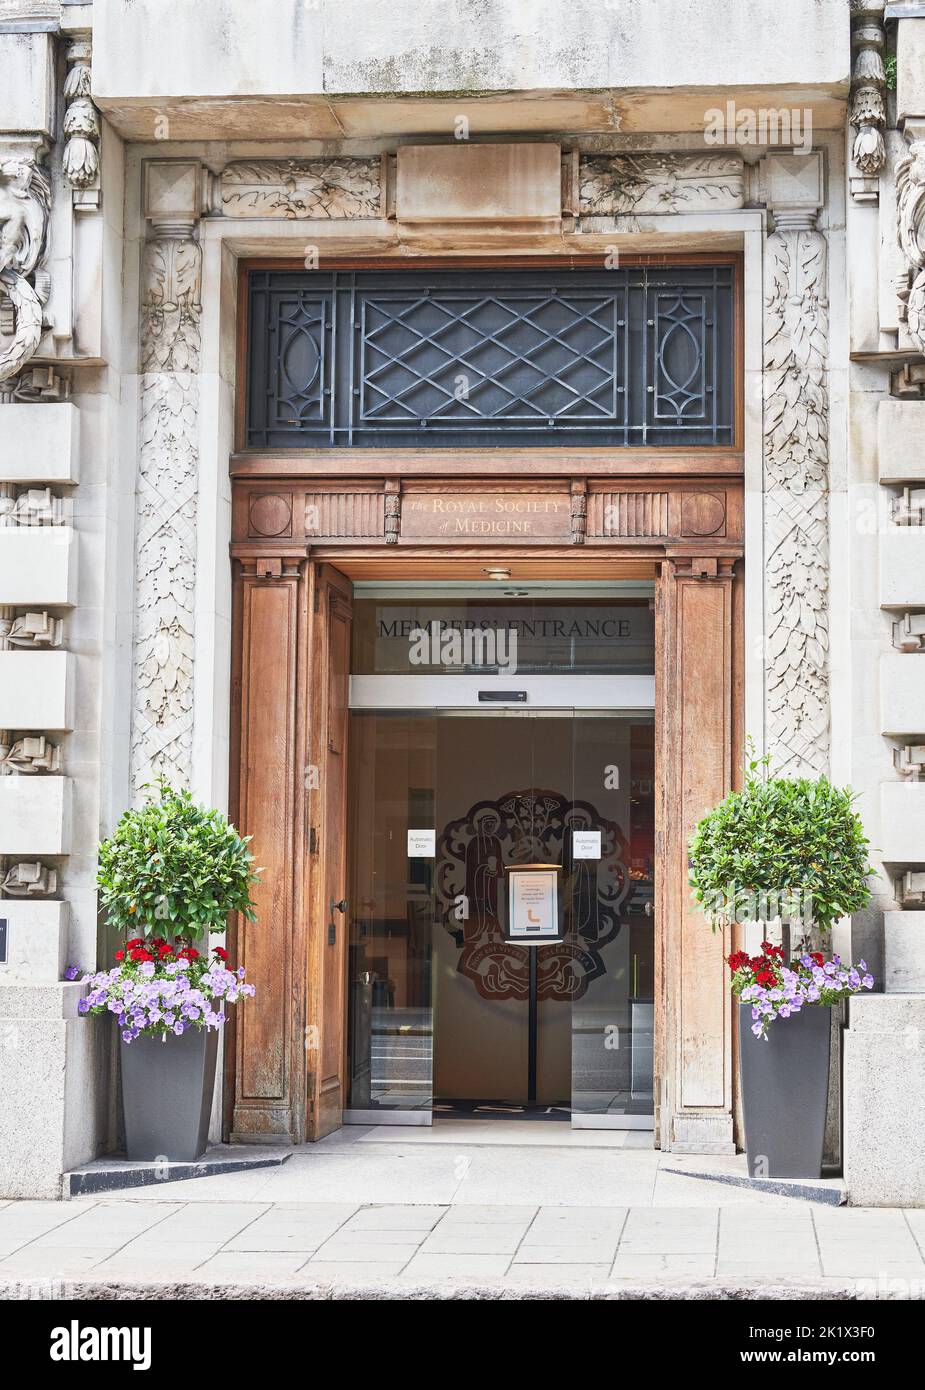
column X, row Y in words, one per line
column 526, row 636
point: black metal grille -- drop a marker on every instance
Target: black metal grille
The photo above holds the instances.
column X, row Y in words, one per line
column 398, row 358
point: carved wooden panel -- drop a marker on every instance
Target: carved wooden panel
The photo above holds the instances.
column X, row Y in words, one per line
column 342, row 515
column 270, row 514
column 461, row 511
column 628, row 514
column 452, row 513
column 703, row 514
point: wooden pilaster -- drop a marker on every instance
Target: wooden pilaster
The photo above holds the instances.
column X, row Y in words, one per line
column 697, row 714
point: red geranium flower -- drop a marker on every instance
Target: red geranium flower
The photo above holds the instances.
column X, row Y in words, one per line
column 135, row 941
column 764, row 977
column 223, row 954
column 120, row 955
column 818, row 957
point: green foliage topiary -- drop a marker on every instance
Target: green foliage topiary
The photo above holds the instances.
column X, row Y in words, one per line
column 781, row 847
column 174, row 866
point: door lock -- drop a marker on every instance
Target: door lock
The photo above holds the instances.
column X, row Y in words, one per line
column 339, row 907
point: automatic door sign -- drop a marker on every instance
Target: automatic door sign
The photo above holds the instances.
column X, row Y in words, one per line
column 422, row 844
column 586, row 844
column 533, row 904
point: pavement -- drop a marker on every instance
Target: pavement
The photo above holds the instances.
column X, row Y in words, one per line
column 465, row 1210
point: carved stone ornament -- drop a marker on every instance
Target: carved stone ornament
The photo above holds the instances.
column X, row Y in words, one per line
column 579, row 513
column 301, row 188
column 166, row 497
column 32, row 630
column 31, row 754
column 867, row 104
column 34, row 506
column 392, row 511
column 796, row 497
column 614, row 184
column 30, row 880
column 25, row 203
column 910, row 206
column 81, row 159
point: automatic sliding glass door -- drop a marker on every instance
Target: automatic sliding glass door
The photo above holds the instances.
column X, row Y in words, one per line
column 393, row 789
column 610, row 916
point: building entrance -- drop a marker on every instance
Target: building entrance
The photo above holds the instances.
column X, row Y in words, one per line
column 501, row 855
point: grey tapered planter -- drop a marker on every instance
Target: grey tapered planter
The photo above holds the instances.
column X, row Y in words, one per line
column 167, row 1094
column 785, row 1088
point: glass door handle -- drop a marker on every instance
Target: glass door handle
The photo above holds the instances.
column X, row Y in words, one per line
column 649, row 908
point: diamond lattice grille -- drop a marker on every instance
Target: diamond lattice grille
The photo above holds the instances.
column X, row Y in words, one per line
column 385, row 358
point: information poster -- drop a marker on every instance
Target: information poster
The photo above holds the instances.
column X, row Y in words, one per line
column 533, row 903
column 586, row 844
column 422, row 844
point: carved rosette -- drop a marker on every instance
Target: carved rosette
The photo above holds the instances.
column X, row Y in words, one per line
column 168, row 467
column 867, row 102
column 910, row 208
column 796, row 498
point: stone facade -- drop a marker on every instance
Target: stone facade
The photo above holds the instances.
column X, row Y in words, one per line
column 141, row 159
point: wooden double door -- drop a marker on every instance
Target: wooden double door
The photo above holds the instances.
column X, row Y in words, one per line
column 285, row 1075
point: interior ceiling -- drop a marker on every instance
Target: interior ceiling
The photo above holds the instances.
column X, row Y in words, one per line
column 404, row 567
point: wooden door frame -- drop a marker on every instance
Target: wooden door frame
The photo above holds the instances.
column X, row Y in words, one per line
column 699, row 601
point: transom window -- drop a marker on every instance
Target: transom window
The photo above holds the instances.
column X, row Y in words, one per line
column 627, row 357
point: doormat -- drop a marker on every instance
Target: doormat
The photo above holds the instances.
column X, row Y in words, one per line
column 498, row 1110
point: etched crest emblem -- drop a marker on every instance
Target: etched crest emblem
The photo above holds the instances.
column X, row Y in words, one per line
column 530, row 827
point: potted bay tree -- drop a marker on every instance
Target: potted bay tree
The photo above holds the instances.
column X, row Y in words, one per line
column 168, row 878
column 786, row 853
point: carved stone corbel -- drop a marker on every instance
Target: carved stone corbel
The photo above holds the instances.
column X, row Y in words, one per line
column 168, row 475
column 796, row 482
column 867, row 102
column 25, row 204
